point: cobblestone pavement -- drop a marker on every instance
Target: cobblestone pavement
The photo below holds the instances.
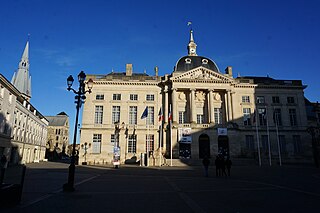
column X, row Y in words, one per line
column 170, row 189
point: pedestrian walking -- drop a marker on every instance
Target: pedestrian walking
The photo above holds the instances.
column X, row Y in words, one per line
column 228, row 165
column 206, row 163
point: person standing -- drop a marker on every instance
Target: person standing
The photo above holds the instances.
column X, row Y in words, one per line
column 223, row 166
column 3, row 165
column 228, row 165
column 217, row 163
column 206, row 163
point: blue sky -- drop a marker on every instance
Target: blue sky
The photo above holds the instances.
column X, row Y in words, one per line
column 256, row 38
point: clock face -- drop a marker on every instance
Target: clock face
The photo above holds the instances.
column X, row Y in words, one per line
column 192, row 50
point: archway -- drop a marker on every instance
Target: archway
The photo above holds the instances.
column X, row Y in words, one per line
column 204, row 146
column 223, row 145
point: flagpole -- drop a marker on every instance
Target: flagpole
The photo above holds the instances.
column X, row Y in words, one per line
column 268, row 133
column 160, row 139
column 170, row 136
column 279, row 151
column 257, row 131
column 147, row 142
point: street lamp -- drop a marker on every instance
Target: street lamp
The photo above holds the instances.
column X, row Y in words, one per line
column 85, row 147
column 116, row 148
column 80, row 97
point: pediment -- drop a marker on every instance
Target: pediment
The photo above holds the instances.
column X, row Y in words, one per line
column 202, row 73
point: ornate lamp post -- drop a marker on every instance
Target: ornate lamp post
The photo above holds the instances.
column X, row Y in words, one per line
column 85, row 147
column 116, row 148
column 80, row 97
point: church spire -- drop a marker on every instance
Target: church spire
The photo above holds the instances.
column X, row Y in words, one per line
column 21, row 78
column 192, row 46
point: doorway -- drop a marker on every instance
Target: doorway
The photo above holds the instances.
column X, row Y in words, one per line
column 204, row 146
column 223, row 145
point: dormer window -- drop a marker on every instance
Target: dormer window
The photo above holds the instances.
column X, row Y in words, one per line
column 204, row 61
column 188, row 60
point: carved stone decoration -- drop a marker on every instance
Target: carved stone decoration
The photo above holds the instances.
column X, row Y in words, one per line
column 201, row 75
column 182, row 96
column 200, row 96
column 217, row 97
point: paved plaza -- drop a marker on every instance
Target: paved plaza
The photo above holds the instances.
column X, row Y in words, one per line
column 289, row 188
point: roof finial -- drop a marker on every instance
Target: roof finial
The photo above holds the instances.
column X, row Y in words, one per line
column 192, row 45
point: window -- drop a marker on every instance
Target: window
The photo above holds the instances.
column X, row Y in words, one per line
column 245, row 99
column 115, row 114
column 246, row 116
column 133, row 115
column 99, row 97
column 275, row 99
column 290, row 100
column 218, row 115
column 132, row 144
column 96, row 143
column 262, row 116
column 150, row 97
column 277, row 117
column 182, row 116
column 150, row 117
column 2, row 92
column 10, row 98
column 133, row 97
column 249, row 142
column 283, row 146
column 57, row 138
column 293, row 117
column 98, row 115
column 297, row 144
column 116, row 97
column 199, row 119
column 149, row 142
column 260, row 100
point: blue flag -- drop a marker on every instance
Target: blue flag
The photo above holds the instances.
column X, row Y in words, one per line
column 145, row 113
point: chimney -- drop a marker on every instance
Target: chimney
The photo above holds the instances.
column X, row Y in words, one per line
column 156, row 70
column 128, row 69
column 229, row 71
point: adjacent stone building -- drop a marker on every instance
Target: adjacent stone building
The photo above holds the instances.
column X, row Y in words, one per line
column 58, row 134
column 23, row 129
column 195, row 111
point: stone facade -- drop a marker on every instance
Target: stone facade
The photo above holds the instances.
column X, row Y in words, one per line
column 211, row 113
column 58, row 133
column 24, row 133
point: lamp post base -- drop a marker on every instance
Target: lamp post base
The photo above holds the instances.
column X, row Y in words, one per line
column 69, row 187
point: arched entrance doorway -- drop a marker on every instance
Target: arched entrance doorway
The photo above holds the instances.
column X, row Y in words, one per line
column 223, row 145
column 204, row 146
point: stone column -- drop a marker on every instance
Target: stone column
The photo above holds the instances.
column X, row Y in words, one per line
column 229, row 105
column 226, row 106
column 211, row 109
column 192, row 106
column 174, row 105
column 166, row 104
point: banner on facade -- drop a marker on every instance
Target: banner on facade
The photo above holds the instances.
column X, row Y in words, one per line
column 222, row 131
column 184, row 135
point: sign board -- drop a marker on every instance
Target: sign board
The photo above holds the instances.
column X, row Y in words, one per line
column 222, row 131
column 184, row 135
